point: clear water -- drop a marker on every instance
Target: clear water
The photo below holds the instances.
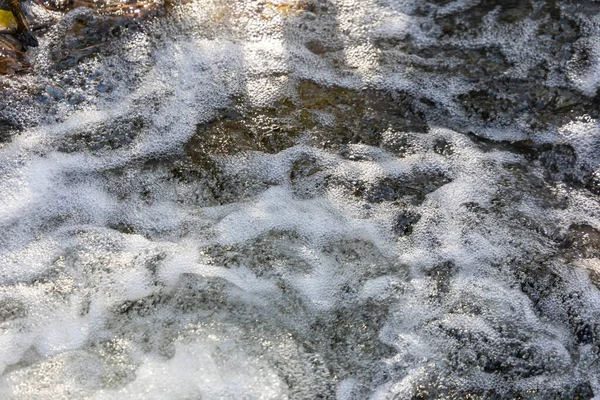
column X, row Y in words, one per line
column 152, row 248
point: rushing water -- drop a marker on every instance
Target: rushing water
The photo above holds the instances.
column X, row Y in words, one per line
column 343, row 199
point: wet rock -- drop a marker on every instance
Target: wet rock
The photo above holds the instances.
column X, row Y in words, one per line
column 485, row 106
column 474, row 63
column 544, row 286
column 582, row 390
column 307, row 377
column 268, row 130
column 7, row 130
column 269, row 255
column 510, row 352
column 306, row 177
column 558, row 160
column 348, row 340
column 413, row 187
column 512, row 11
column 194, row 292
column 539, row 282
column 360, row 117
column 84, row 33
column 593, row 182
column 215, row 186
column 358, row 152
column 140, row 307
column 508, row 11
column 333, row 117
column 443, row 147
column 532, row 190
column 320, row 47
column 582, row 240
column 123, row 228
column 399, row 144
column 364, row 259
column 438, row 387
column 107, row 136
column 507, row 100
column 304, row 167
column 55, row 93
column 403, row 224
column 493, row 98
column 11, row 309
column 441, row 275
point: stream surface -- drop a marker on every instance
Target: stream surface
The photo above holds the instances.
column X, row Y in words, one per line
column 312, row 199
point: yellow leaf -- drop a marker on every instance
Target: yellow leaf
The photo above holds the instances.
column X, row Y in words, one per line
column 7, row 20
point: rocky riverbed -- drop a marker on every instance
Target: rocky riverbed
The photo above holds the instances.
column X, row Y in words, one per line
column 334, row 199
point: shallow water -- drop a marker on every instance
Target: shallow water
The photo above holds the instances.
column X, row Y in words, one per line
column 304, row 199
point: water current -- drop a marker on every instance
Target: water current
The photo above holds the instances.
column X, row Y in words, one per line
column 304, row 199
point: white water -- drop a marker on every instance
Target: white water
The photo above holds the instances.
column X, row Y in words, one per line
column 274, row 295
